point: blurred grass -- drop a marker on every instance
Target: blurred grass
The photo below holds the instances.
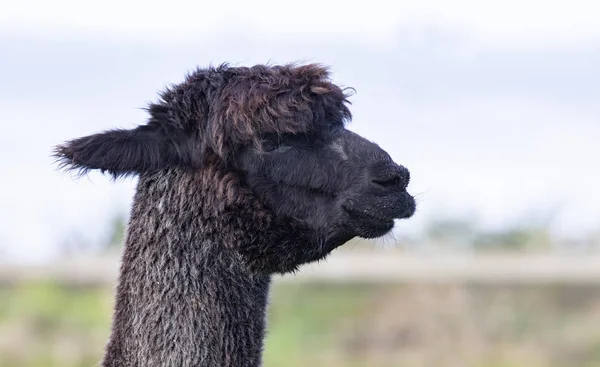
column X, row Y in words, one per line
column 44, row 324
column 341, row 325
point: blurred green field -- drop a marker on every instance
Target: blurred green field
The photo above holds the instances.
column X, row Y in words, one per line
column 341, row 325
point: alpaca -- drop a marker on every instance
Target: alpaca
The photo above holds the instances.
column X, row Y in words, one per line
column 244, row 172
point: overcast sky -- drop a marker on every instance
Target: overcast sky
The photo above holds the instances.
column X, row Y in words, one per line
column 494, row 108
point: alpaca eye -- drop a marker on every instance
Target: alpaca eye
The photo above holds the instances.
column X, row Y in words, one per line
column 275, row 145
column 269, row 145
column 282, row 148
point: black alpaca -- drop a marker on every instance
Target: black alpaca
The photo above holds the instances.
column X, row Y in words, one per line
column 243, row 172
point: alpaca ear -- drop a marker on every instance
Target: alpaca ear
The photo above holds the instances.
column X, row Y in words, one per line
column 126, row 152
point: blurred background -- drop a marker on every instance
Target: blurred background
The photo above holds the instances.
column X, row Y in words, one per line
column 493, row 106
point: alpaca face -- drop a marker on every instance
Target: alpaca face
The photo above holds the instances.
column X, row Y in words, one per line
column 334, row 180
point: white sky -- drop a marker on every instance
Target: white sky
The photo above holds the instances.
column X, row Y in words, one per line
column 510, row 22
column 474, row 142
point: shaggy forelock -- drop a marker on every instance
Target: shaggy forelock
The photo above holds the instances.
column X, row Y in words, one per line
column 230, row 107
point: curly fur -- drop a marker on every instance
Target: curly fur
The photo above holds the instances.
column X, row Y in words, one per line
column 243, row 172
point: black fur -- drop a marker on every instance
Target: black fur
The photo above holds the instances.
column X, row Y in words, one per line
column 129, row 152
column 244, row 172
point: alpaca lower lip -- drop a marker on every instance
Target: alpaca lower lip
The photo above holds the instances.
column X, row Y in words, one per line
column 367, row 225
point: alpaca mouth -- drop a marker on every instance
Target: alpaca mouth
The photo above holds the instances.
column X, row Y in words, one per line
column 369, row 225
column 370, row 217
column 402, row 210
column 372, row 222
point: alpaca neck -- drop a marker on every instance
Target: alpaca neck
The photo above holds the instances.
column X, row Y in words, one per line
column 183, row 298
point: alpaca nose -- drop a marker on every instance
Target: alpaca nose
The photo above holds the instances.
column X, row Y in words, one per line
column 392, row 178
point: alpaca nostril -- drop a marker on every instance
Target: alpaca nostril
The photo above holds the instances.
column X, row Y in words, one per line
column 388, row 183
column 397, row 180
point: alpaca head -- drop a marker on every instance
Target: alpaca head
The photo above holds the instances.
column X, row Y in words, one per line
column 280, row 130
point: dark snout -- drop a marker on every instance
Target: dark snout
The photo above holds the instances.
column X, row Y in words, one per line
column 388, row 182
column 379, row 194
column 390, row 177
